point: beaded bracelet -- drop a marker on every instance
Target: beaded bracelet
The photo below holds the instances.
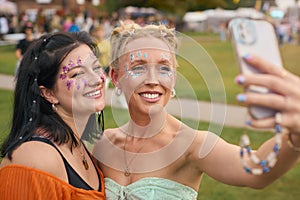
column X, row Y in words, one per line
column 270, row 160
column 291, row 145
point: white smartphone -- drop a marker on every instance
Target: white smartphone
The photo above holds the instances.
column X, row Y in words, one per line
column 258, row 37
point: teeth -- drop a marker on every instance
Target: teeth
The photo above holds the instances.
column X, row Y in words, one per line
column 150, row 96
column 92, row 94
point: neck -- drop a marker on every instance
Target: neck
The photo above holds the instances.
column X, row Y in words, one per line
column 76, row 122
column 146, row 128
column 29, row 37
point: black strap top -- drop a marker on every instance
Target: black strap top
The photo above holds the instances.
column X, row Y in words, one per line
column 73, row 177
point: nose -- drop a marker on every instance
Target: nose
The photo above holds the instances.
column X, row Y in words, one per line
column 96, row 79
column 151, row 77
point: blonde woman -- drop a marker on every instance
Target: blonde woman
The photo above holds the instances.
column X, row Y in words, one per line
column 156, row 156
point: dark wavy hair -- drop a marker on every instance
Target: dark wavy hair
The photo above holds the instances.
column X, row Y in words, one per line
column 40, row 66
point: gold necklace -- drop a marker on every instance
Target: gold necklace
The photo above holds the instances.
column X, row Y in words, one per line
column 127, row 170
column 84, row 161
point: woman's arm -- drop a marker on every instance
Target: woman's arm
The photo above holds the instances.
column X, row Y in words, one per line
column 224, row 161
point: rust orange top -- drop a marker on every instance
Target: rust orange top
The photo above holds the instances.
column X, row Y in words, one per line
column 21, row 182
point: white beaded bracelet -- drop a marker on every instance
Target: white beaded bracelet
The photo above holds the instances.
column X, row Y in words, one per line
column 271, row 158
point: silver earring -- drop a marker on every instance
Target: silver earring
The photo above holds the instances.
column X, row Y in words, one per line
column 118, row 91
column 54, row 108
column 173, row 92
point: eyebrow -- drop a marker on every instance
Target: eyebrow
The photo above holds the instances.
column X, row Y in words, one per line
column 143, row 61
column 164, row 61
column 78, row 66
column 138, row 61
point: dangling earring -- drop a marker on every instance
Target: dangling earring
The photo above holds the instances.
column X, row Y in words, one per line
column 54, row 108
column 173, row 92
column 118, row 91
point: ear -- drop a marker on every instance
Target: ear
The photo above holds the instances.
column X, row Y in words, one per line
column 114, row 76
column 48, row 94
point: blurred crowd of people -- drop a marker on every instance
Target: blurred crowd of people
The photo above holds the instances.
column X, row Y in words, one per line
column 99, row 28
column 77, row 21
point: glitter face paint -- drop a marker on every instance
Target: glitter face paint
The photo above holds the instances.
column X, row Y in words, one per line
column 81, row 79
column 68, row 67
column 139, row 69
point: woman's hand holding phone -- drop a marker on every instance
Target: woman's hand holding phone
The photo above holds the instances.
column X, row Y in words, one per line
column 255, row 37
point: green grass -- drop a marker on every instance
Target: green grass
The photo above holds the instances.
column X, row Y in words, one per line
column 284, row 188
column 6, row 112
column 221, row 54
column 7, row 59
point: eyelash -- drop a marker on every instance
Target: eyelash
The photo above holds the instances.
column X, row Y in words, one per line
column 98, row 68
column 165, row 67
column 76, row 74
column 161, row 67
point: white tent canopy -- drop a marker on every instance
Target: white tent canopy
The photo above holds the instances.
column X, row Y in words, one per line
column 194, row 17
column 8, row 8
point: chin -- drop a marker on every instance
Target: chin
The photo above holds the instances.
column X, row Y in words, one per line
column 100, row 107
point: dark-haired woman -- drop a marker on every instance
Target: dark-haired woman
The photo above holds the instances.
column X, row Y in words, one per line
column 59, row 89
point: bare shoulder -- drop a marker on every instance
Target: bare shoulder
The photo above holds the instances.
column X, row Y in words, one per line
column 114, row 135
column 111, row 132
column 204, row 136
column 38, row 155
column 204, row 143
column 111, row 138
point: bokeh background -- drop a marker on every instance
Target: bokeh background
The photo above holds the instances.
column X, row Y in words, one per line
column 205, row 21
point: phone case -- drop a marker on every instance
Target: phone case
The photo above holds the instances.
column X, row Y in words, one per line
column 255, row 37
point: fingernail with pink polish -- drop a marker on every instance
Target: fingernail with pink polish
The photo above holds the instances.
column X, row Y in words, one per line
column 240, row 80
column 247, row 56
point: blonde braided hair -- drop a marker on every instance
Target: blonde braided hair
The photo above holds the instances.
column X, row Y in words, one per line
column 125, row 33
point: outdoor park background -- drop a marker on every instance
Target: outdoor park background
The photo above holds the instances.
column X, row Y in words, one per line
column 222, row 54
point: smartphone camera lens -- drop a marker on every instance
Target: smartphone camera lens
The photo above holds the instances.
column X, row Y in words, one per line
column 246, row 32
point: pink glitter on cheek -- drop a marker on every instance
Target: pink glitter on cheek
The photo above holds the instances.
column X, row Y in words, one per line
column 77, row 85
column 102, row 77
column 84, row 82
column 63, row 74
column 79, row 61
column 71, row 63
column 69, row 84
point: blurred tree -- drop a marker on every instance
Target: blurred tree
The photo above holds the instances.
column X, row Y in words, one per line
column 180, row 7
column 111, row 6
column 176, row 7
column 234, row 4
